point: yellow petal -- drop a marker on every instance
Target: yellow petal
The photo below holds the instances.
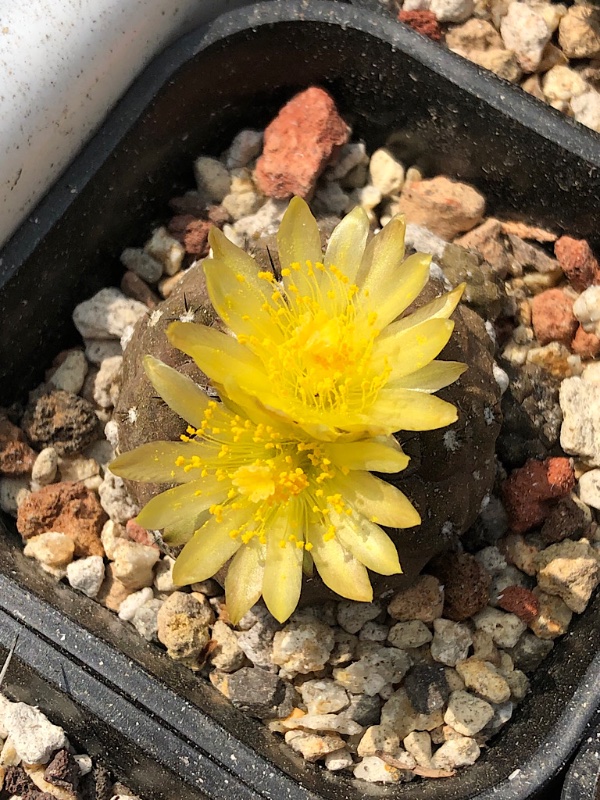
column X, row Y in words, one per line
column 407, row 410
column 368, row 543
column 377, row 500
column 243, row 584
column 176, row 535
column 210, row 548
column 282, row 579
column 338, row 568
column 182, row 506
column 238, row 299
column 154, row 462
column 383, row 254
column 178, row 391
column 394, row 292
column 221, row 357
column 373, row 455
column 432, row 377
column 298, row 238
column 226, row 251
column 440, row 308
column 412, row 349
column 347, row 243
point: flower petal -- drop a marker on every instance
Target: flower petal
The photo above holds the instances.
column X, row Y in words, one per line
column 238, row 299
column 210, row 548
column 392, row 293
column 431, row 378
column 282, row 579
column 377, row 456
column 338, row 568
column 347, row 243
column 368, row 543
column 440, row 308
column 178, row 391
column 411, row 349
column 226, row 251
column 182, row 506
column 405, row 409
column 243, row 584
column 154, row 462
column 377, row 500
column 298, row 238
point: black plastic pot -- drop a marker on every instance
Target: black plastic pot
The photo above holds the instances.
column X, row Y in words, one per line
column 582, row 781
column 446, row 115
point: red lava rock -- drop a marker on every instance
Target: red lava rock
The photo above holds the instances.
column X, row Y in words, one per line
column 133, row 286
column 16, row 457
column 577, row 261
column 424, row 22
column 528, row 491
column 520, row 601
column 136, row 533
column 191, row 232
column 586, row 345
column 466, row 584
column 299, row 143
column 445, row 207
column 552, row 317
column 66, row 507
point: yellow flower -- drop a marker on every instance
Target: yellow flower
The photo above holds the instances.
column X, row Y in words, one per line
column 323, row 347
column 253, row 489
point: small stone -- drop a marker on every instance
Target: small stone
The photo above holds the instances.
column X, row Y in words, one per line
column 96, row 350
column 491, row 559
column 527, row 491
column 386, row 172
column 339, row 759
column 461, row 752
column 374, row 770
column 486, row 238
column 112, row 592
column 378, row 739
column 579, row 32
column 466, row 584
column 61, row 420
column 115, row 499
column 552, row 317
column 427, row 688
column 78, row 469
column 364, row 709
column 525, row 32
column 84, row 764
column 418, row 744
column 587, row 309
column 86, row 574
column 183, row 628
column 108, row 382
column 553, row 617
column 263, row 222
column 70, row 375
column 135, row 600
column 163, row 575
column 16, row 780
column 45, row 467
column 467, row 714
column 589, row 488
column 504, row 63
column 422, row 240
column 409, row 634
column 133, row 564
column 483, row 649
column 256, row 691
column 245, row 146
column 107, row 314
column 299, row 143
column 34, row 737
column 242, row 204
column 257, row 641
column 166, row 250
column 445, row 207
column 142, row 264
column 352, row 616
column 577, row 260
column 505, row 629
column 339, row 723
column 145, row 619
column 373, row 632
column 324, row 696
column 399, row 714
column 484, row 679
column 373, row 671
column 560, row 85
column 519, row 684
column 452, row 10
column 66, row 507
column 571, row 571
column 423, row 21
column 13, row 493
column 520, row 601
column 212, row 178
column 585, row 345
column 53, row 549
column 580, row 404
column 424, row 601
column 586, row 110
column 530, row 651
column 313, row 746
column 192, row 233
column 451, row 641
column 63, row 771
column 227, row 655
column 303, row 646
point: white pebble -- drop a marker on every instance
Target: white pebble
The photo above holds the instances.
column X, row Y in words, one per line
column 108, row 382
column 13, row 491
column 86, row 574
column 142, row 264
column 96, row 350
column 245, row 146
column 115, row 499
column 107, row 314
column 587, row 309
column 34, row 737
column 71, row 374
column 589, row 488
column 134, row 601
column 45, row 467
column 163, row 575
column 212, row 178
column 165, row 249
column 133, row 563
column 525, row 32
